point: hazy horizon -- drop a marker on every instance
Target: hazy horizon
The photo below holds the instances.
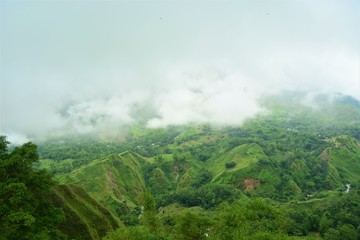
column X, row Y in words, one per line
column 88, row 64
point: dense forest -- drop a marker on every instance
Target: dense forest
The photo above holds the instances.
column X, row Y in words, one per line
column 292, row 173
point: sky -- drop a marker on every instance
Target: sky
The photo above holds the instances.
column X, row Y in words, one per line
column 82, row 66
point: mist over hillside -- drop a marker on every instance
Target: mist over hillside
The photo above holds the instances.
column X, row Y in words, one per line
column 180, row 120
column 162, row 63
column 113, row 117
column 301, row 156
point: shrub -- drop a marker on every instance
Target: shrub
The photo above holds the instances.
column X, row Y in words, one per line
column 230, row 165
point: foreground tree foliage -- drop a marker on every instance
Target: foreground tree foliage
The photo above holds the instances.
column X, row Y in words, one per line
column 244, row 219
column 26, row 210
column 336, row 217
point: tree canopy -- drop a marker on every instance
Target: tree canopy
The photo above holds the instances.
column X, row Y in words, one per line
column 26, row 209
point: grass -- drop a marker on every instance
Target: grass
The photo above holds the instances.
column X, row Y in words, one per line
column 85, row 218
column 243, row 156
column 112, row 181
column 345, row 159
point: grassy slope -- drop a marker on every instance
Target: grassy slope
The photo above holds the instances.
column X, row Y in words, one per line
column 344, row 160
column 244, row 156
column 114, row 181
column 85, row 218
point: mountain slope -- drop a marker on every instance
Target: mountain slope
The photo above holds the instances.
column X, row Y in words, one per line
column 85, row 218
column 115, row 181
column 302, row 152
column 343, row 160
column 238, row 158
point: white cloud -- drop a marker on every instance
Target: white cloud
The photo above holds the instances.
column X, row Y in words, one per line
column 16, row 138
column 177, row 61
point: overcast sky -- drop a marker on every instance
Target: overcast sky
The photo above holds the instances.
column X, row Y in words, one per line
column 83, row 65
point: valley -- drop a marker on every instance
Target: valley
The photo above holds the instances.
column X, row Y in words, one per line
column 295, row 156
column 292, row 173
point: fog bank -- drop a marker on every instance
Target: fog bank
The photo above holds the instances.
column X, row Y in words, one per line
column 87, row 66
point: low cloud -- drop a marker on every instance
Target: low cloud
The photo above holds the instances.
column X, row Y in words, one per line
column 222, row 99
column 109, row 65
column 229, row 99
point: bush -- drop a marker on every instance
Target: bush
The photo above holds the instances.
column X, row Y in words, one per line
column 230, row 165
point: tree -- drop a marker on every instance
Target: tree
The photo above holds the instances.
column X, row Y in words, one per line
column 246, row 218
column 3, row 146
column 332, row 234
column 131, row 233
column 192, row 227
column 325, row 223
column 149, row 218
column 26, row 209
column 230, row 165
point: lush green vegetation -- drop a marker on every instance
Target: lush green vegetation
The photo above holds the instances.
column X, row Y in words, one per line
column 26, row 211
column 34, row 206
column 113, row 181
column 293, row 173
column 85, row 217
column 256, row 218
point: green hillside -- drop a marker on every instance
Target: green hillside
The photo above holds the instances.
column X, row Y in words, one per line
column 235, row 160
column 85, row 218
column 277, row 176
column 343, row 160
column 115, row 181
